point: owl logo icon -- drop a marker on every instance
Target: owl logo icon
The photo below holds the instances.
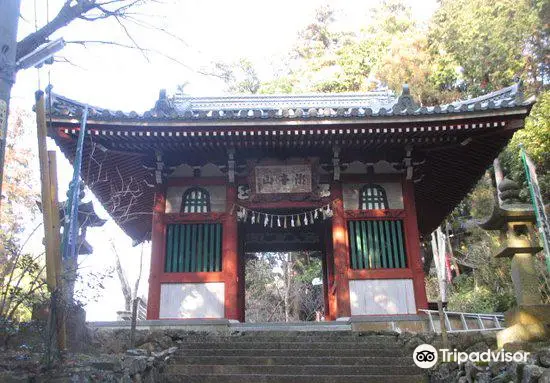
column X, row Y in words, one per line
column 425, row 356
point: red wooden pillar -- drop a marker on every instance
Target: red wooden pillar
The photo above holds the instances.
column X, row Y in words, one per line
column 158, row 237
column 412, row 238
column 340, row 253
column 230, row 259
column 241, row 277
column 329, row 288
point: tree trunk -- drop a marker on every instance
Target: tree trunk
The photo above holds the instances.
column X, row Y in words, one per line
column 126, row 291
column 288, row 268
column 9, row 17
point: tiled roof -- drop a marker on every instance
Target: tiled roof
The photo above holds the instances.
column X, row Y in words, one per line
column 295, row 106
column 453, row 143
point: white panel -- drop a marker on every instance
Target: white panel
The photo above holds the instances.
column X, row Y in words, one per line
column 192, row 300
column 182, row 171
column 382, row 297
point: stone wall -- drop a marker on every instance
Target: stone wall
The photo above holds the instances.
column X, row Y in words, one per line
column 535, row 370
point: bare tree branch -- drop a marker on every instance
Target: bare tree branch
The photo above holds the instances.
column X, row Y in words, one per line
column 126, row 291
column 136, row 45
column 70, row 11
column 84, row 43
column 136, row 286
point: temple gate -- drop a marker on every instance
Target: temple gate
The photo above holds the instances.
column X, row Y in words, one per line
column 359, row 177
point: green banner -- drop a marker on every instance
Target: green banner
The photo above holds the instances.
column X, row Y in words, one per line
column 536, row 199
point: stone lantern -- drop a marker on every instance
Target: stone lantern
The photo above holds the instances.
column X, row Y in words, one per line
column 516, row 222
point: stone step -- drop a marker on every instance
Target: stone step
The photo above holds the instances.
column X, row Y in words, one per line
column 291, row 360
column 250, row 327
column 289, row 345
column 223, row 351
column 382, row 343
column 341, row 335
column 262, row 378
column 187, row 369
column 295, row 328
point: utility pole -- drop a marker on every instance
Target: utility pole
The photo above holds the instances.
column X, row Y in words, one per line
column 9, row 18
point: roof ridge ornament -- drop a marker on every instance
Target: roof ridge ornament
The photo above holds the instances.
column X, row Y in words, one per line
column 405, row 102
column 164, row 106
column 519, row 94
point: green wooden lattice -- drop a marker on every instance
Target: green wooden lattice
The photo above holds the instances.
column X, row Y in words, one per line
column 193, row 247
column 376, row 244
column 373, row 197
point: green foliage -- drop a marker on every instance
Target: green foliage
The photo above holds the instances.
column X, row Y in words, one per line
column 486, row 39
column 535, row 138
column 316, row 37
column 478, row 204
column 20, row 173
column 390, row 51
column 466, row 296
column 21, row 273
column 239, row 76
column 279, row 287
column 22, row 283
column 307, row 269
column 8, row 329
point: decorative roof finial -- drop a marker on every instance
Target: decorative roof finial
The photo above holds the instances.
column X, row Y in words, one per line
column 519, row 96
column 163, row 106
column 405, row 101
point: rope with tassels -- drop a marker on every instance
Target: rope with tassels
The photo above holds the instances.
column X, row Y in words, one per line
column 304, row 218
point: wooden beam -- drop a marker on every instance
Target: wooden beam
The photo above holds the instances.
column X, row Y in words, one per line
column 188, row 277
column 230, row 256
column 340, row 253
column 412, row 243
column 55, row 221
column 50, row 214
column 56, row 245
column 158, row 251
column 46, row 188
column 380, row 274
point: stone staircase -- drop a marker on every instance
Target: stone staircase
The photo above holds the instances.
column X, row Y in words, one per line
column 292, row 356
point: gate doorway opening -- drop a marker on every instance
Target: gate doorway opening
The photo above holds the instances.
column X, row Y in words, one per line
column 284, row 272
column 284, row 287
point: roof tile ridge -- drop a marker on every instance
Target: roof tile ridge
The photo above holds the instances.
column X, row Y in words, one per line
column 513, row 89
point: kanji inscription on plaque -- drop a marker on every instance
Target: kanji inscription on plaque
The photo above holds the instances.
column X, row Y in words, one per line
column 283, row 179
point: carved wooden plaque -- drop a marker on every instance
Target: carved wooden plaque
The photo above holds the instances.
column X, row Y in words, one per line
column 283, row 179
column 275, row 180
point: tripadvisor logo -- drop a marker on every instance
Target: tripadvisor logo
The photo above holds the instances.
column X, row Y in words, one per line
column 426, row 356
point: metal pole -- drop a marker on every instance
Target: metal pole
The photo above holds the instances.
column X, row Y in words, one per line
column 70, row 233
column 49, row 230
column 443, row 324
column 9, row 17
column 70, row 230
